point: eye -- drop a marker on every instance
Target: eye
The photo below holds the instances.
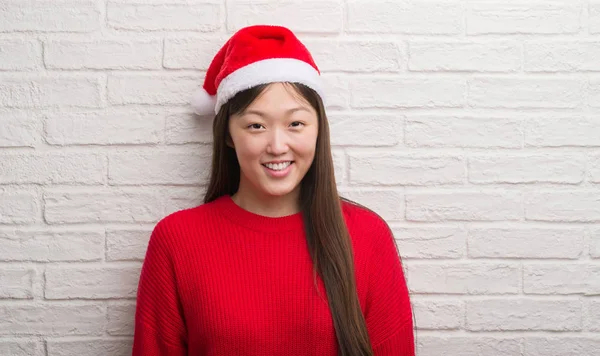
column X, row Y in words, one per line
column 297, row 122
column 254, row 126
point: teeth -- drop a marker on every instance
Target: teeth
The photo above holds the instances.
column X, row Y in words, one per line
column 278, row 166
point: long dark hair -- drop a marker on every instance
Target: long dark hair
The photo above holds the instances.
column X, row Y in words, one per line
column 326, row 232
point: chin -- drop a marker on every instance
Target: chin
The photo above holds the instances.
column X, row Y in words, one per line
column 278, row 191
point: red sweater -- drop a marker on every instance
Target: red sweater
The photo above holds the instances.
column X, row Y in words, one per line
column 219, row 280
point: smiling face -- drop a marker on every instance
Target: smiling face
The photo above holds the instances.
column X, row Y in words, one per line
column 274, row 141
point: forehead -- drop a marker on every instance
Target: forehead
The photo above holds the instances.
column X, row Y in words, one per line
column 280, row 93
column 279, row 99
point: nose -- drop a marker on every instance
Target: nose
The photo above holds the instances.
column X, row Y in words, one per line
column 278, row 142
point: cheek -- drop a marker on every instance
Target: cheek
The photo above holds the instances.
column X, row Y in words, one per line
column 307, row 146
column 307, row 150
column 247, row 150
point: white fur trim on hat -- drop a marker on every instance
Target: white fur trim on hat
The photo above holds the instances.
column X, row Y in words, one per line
column 202, row 102
column 268, row 71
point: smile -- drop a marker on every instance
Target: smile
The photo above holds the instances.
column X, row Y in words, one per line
column 278, row 166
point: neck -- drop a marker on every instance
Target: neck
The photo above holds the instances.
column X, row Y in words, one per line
column 268, row 205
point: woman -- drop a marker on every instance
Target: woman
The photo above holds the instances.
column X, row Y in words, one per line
column 274, row 262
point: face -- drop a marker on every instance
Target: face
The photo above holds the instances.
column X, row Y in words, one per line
column 274, row 140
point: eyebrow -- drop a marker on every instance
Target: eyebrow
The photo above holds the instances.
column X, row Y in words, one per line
column 287, row 112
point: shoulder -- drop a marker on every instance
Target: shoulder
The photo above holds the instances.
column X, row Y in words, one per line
column 185, row 216
column 361, row 218
column 199, row 214
column 181, row 223
column 368, row 230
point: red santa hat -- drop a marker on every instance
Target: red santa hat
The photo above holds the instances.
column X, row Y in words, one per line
column 255, row 55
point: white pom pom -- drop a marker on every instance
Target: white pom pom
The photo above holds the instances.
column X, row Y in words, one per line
column 203, row 103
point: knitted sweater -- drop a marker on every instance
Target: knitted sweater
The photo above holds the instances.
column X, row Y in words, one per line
column 219, row 280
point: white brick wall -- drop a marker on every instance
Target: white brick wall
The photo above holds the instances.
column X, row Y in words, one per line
column 472, row 126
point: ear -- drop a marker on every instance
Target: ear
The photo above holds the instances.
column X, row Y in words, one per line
column 229, row 141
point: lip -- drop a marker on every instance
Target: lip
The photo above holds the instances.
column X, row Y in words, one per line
column 278, row 174
column 280, row 161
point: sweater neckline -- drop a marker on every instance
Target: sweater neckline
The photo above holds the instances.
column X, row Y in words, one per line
column 238, row 215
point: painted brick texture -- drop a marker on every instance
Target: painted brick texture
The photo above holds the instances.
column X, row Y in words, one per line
column 472, row 127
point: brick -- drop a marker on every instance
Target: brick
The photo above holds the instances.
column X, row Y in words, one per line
column 339, row 166
column 488, row 92
column 591, row 321
column 19, row 206
column 104, row 128
column 51, row 245
column 431, row 242
column 20, row 54
column 188, row 128
column 310, row 16
column 160, row 2
column 524, row 315
column 91, row 282
column 594, row 242
column 121, row 317
column 21, row 347
column 560, row 132
column 568, row 206
column 463, row 278
column 457, row 205
column 408, row 17
column 48, row 91
column 594, row 16
column 387, row 203
column 354, row 56
column 570, row 278
column 52, row 319
column 191, row 53
column 49, row 16
column 126, row 245
column 337, row 91
column 456, row 131
column 594, row 168
column 525, row 168
column 156, row 89
column 399, row 92
column 20, row 129
column 203, row 17
column 435, row 314
column 562, row 56
column 521, row 242
column 51, row 168
column 103, row 54
column 473, row 345
column 523, row 18
column 16, row 283
column 89, row 347
column 561, row 346
column 110, row 205
column 464, row 56
column 357, row 129
column 179, row 198
column 594, row 93
column 401, row 169
column 159, row 168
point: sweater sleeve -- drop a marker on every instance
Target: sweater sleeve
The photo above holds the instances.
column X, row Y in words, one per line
column 159, row 325
column 388, row 312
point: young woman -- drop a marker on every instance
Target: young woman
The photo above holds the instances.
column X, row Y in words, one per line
column 274, row 262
